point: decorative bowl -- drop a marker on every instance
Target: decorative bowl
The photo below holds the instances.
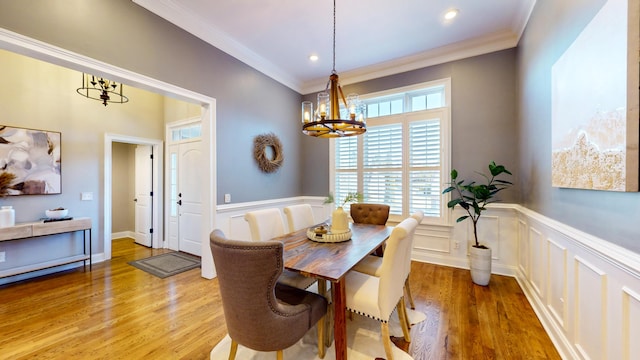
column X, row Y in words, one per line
column 56, row 213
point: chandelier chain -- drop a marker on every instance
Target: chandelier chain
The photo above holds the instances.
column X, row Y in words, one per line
column 334, row 36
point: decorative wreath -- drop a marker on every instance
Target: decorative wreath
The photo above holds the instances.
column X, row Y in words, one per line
column 260, row 145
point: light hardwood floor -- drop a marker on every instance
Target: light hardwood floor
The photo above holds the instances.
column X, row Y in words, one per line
column 119, row 312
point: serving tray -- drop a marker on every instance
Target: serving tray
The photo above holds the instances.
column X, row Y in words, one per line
column 327, row 236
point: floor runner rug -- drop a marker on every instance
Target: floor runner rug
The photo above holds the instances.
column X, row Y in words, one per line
column 165, row 265
column 363, row 342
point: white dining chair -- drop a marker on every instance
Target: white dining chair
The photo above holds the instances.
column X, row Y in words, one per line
column 266, row 224
column 299, row 216
column 372, row 264
column 377, row 296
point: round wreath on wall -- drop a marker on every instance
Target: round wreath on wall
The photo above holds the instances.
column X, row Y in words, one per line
column 267, row 150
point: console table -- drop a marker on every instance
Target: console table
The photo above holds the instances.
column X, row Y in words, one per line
column 36, row 229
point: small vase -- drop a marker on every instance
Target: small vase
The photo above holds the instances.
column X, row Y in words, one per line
column 7, row 216
column 339, row 221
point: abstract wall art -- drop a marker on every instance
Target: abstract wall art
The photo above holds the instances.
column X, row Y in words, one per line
column 31, row 159
column 595, row 104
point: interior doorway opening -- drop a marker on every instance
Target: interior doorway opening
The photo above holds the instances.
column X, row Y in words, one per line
column 155, row 240
column 36, row 49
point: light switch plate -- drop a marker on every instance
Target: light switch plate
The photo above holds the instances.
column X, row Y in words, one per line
column 86, row 196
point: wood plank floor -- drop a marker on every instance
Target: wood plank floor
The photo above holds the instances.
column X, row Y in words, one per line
column 119, row 312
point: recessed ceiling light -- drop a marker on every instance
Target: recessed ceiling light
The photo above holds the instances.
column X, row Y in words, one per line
column 451, row 14
column 313, row 57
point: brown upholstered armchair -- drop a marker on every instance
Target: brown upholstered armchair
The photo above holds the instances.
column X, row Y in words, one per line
column 261, row 314
column 375, row 214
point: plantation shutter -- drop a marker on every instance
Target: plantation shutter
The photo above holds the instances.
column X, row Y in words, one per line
column 346, row 158
column 424, row 167
column 382, row 166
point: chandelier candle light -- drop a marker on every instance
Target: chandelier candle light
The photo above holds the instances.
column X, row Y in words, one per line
column 101, row 90
column 327, row 121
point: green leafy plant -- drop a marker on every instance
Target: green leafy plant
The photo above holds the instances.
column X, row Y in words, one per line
column 350, row 198
column 473, row 197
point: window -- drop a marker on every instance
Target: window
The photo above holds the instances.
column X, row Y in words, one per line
column 403, row 158
column 189, row 131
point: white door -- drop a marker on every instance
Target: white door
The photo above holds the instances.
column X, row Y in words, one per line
column 143, row 193
column 189, row 195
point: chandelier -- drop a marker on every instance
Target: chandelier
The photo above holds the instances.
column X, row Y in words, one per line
column 102, row 90
column 328, row 121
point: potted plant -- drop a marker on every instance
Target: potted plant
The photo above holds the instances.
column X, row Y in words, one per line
column 339, row 218
column 473, row 198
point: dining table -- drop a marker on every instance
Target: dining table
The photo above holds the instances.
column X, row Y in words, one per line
column 331, row 261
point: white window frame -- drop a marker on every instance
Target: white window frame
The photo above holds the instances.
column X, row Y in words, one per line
column 445, row 143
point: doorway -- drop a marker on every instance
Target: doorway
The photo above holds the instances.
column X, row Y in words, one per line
column 147, row 194
column 183, row 189
column 42, row 51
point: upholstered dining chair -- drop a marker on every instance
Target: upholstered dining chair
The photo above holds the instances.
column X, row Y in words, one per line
column 266, row 224
column 377, row 297
column 374, row 214
column 299, row 216
column 260, row 313
column 372, row 265
column 418, row 215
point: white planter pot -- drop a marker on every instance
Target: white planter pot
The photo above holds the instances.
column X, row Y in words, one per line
column 480, row 264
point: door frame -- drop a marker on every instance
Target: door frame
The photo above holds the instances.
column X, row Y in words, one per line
column 169, row 127
column 156, row 178
column 37, row 49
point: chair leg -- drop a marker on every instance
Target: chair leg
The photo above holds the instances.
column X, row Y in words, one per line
column 386, row 340
column 321, row 337
column 279, row 355
column 234, row 350
column 408, row 290
column 402, row 315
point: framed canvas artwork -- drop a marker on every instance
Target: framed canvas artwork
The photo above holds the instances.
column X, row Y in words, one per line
column 30, row 161
column 595, row 102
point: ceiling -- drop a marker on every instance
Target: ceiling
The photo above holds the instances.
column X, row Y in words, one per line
column 374, row 38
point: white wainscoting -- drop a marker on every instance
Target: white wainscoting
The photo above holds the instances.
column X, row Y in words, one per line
column 230, row 217
column 449, row 245
column 585, row 290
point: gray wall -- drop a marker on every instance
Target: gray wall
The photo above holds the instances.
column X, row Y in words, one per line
column 483, row 91
column 612, row 216
column 248, row 102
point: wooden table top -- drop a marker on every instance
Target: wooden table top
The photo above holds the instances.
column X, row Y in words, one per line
column 331, row 261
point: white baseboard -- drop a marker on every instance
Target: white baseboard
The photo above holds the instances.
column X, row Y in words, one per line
column 123, row 234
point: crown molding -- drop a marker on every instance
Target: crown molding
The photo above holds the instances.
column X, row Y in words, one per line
column 457, row 51
column 193, row 24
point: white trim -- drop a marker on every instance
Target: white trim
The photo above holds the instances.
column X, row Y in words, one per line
column 445, row 54
column 37, row 49
column 185, row 19
column 123, row 234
